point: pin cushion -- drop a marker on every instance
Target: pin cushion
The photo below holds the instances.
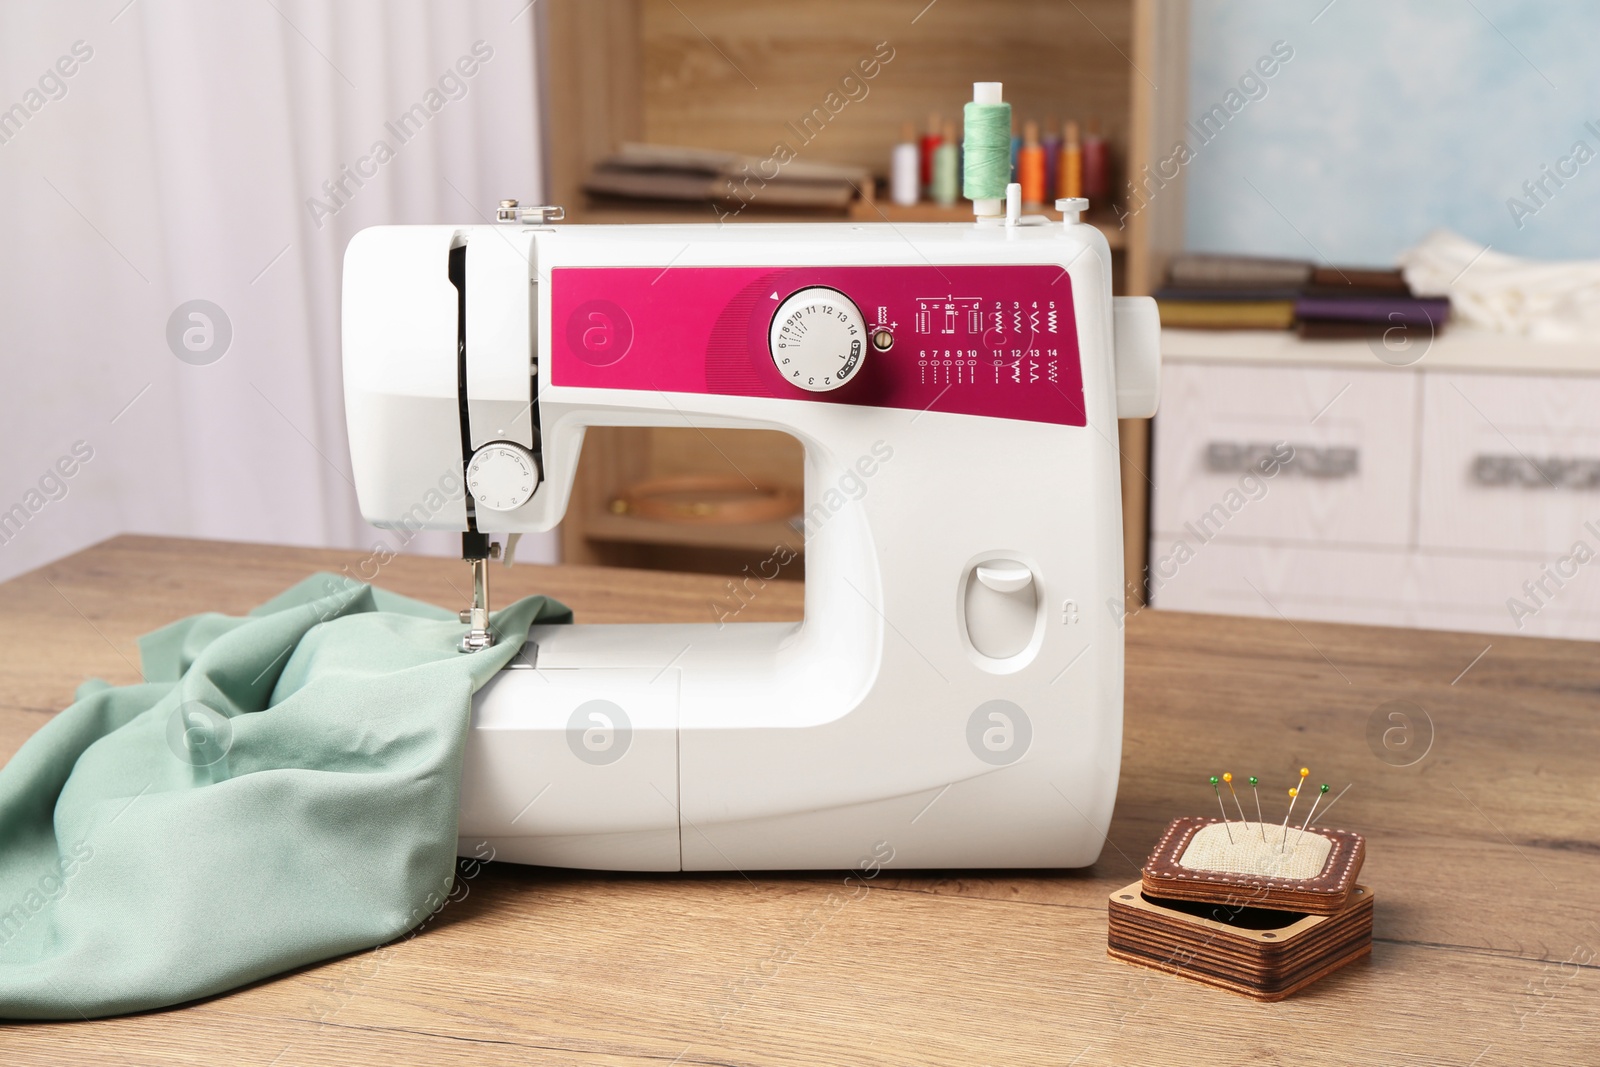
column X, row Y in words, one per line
column 1254, row 907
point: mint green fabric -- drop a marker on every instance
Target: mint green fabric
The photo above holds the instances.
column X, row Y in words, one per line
column 283, row 788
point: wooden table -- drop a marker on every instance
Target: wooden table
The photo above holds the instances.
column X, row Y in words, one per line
column 1484, row 856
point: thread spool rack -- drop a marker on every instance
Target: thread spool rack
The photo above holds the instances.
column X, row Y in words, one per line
column 618, row 71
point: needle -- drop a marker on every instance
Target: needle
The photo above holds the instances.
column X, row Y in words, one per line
column 1214, row 789
column 1320, row 794
column 1294, row 795
column 1261, row 823
column 1335, row 800
column 1228, row 777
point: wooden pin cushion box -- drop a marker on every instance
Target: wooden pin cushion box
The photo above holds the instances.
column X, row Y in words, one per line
column 1247, row 907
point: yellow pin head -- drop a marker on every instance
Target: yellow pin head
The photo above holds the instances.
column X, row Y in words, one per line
column 1305, row 772
column 1293, row 791
column 1227, row 776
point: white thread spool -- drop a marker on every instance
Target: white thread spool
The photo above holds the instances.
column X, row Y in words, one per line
column 904, row 176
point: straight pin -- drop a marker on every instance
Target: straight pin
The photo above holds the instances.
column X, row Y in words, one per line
column 1227, row 776
column 1218, row 791
column 1261, row 823
column 1294, row 795
column 1335, row 800
column 1320, row 794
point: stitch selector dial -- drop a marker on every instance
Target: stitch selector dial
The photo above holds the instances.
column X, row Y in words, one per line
column 818, row 339
column 502, row 476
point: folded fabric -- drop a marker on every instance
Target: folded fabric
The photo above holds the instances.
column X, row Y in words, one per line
column 1550, row 300
column 282, row 789
column 1393, row 310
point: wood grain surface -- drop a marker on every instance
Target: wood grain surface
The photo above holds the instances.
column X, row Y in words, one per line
column 734, row 75
column 1483, row 853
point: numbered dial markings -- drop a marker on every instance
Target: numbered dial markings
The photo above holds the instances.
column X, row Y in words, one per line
column 502, row 476
column 818, row 339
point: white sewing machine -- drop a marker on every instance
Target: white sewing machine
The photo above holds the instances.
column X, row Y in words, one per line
column 953, row 697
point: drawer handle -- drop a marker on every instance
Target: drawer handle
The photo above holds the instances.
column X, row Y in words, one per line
column 1333, row 461
column 1548, row 472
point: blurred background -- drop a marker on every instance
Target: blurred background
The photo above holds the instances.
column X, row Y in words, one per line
column 1371, row 228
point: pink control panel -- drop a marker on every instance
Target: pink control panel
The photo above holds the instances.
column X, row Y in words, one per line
column 998, row 341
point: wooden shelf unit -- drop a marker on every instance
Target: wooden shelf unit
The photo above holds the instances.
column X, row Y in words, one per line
column 617, row 457
column 736, row 75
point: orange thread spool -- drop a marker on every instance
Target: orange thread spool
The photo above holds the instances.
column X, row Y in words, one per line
column 1030, row 165
column 1070, row 172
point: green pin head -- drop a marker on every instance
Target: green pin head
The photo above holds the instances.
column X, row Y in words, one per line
column 1254, row 779
column 1324, row 788
column 1215, row 780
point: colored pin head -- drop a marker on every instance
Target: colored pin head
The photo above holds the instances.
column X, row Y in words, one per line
column 1215, row 779
column 1227, row 776
column 1293, row 791
column 1324, row 788
column 1254, row 779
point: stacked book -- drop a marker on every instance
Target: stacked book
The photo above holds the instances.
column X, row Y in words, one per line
column 1220, row 292
column 1340, row 303
column 667, row 172
column 1226, row 292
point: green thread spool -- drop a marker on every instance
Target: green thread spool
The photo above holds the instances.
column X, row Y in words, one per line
column 947, row 168
column 987, row 149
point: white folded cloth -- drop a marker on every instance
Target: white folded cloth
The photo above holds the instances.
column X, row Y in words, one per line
column 1550, row 300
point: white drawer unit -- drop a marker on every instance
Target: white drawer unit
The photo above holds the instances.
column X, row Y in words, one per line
column 1350, row 435
column 1459, row 493
column 1510, row 463
column 1298, row 581
column 1534, row 597
column 1389, row 587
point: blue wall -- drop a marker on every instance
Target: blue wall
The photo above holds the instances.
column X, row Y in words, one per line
column 1393, row 118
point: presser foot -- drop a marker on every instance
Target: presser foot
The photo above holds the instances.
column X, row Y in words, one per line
column 479, row 635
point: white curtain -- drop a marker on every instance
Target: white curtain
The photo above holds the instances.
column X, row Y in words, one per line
column 161, row 152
